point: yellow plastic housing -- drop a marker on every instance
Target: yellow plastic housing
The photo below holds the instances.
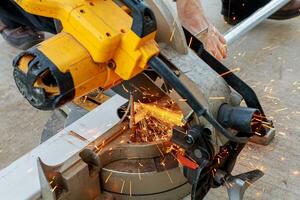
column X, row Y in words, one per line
column 103, row 28
column 76, row 60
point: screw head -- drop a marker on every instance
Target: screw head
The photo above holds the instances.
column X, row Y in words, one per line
column 111, row 64
column 189, row 139
column 198, row 153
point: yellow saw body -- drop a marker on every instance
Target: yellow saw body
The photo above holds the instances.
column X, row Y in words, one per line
column 102, row 43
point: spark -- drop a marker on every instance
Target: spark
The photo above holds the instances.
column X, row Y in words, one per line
column 125, row 89
column 55, row 187
column 154, row 122
column 282, row 109
column 270, row 48
column 132, row 117
column 122, row 141
column 266, row 126
column 97, row 149
column 257, row 133
column 282, row 133
column 214, row 172
column 255, row 157
column 140, row 164
column 130, row 192
column 159, row 150
column 248, row 182
column 84, row 99
column 169, row 176
column 122, row 187
column 139, row 172
column 172, row 35
column 227, row 184
column 173, row 31
column 182, row 100
column 190, row 42
column 216, row 98
column 251, row 164
column 110, row 174
column 230, row 71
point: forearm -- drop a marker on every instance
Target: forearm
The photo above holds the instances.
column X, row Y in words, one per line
column 191, row 15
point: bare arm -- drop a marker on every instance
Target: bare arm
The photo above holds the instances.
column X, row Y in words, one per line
column 192, row 17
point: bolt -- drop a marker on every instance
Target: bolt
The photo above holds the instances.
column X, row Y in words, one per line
column 147, row 18
column 111, row 64
column 189, row 139
column 198, row 153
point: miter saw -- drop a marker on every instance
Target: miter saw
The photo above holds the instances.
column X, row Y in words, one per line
column 140, row 51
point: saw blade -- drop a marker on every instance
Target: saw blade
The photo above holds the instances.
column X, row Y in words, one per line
column 142, row 87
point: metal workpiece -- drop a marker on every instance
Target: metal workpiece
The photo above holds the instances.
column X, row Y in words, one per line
column 256, row 18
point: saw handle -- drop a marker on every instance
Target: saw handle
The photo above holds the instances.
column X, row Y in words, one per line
column 144, row 21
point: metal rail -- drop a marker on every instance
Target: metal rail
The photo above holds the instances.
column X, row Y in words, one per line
column 256, row 18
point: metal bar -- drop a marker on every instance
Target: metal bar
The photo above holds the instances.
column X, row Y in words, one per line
column 256, row 18
column 20, row 180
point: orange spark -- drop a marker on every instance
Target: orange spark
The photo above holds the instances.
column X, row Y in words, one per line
column 108, row 177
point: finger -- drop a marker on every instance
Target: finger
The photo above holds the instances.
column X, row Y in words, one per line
column 213, row 52
column 222, row 39
column 222, row 48
column 216, row 53
column 218, row 56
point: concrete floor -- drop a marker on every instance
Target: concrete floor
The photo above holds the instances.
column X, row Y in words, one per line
column 20, row 124
column 268, row 60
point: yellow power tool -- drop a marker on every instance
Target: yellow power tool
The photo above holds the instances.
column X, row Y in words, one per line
column 102, row 43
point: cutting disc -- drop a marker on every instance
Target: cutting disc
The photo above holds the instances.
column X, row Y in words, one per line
column 142, row 87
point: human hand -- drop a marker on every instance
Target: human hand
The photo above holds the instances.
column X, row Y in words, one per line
column 192, row 17
column 215, row 43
